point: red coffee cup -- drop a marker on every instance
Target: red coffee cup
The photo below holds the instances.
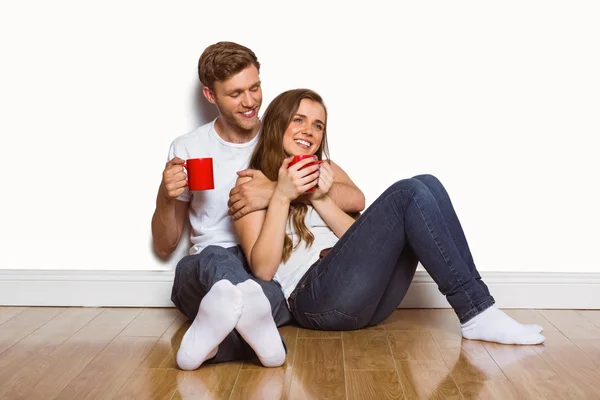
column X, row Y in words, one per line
column 200, row 173
column 302, row 157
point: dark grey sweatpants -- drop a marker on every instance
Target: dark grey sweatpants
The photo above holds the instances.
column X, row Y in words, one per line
column 195, row 275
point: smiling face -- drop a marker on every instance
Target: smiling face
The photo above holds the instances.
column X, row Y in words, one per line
column 305, row 131
column 238, row 100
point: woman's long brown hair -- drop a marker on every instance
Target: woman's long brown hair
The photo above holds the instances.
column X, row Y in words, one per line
column 269, row 154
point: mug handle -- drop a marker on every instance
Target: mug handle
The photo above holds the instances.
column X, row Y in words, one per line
column 184, row 165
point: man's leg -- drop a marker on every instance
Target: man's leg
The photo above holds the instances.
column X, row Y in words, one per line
column 196, row 275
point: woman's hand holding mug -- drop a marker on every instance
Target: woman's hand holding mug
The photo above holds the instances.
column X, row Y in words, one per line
column 325, row 181
column 297, row 175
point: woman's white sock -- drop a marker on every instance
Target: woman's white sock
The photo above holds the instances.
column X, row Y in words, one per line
column 493, row 325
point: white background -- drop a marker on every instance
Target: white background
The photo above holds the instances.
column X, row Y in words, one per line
column 500, row 101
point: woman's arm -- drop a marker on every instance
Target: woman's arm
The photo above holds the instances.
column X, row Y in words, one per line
column 344, row 191
column 332, row 214
column 262, row 233
column 256, row 193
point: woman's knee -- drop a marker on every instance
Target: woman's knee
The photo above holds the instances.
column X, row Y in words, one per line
column 428, row 179
column 412, row 186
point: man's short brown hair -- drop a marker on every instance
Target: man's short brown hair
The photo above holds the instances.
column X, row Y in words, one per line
column 222, row 60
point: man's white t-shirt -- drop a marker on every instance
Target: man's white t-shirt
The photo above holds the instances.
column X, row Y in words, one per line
column 208, row 209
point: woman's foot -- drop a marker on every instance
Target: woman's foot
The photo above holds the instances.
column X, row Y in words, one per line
column 257, row 327
column 493, row 325
column 218, row 314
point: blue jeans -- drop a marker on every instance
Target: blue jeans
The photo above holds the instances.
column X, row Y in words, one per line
column 365, row 276
column 194, row 277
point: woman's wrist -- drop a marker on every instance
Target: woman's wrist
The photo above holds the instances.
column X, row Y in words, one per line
column 280, row 198
column 321, row 199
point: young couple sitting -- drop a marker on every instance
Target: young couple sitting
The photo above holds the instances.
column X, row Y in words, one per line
column 335, row 272
column 287, row 249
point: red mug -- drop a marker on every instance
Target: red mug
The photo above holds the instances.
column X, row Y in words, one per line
column 200, row 173
column 302, row 157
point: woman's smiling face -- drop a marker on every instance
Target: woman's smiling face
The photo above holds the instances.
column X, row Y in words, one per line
column 305, row 132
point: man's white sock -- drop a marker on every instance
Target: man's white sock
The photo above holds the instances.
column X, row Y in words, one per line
column 257, row 327
column 218, row 313
column 493, row 325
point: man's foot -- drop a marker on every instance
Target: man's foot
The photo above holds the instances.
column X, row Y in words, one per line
column 257, row 327
column 493, row 325
column 218, row 314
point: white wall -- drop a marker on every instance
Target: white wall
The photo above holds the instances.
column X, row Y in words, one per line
column 501, row 101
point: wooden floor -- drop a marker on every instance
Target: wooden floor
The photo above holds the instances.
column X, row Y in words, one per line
column 117, row 353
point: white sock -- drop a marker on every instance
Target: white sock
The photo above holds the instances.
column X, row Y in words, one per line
column 493, row 325
column 218, row 313
column 257, row 327
column 533, row 328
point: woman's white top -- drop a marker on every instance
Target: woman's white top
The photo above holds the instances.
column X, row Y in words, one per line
column 289, row 273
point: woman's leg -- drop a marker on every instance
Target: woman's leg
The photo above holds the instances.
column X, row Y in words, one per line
column 454, row 227
column 351, row 280
column 442, row 198
column 396, row 289
column 343, row 290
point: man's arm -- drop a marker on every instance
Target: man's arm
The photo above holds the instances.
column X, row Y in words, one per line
column 170, row 213
column 251, row 194
column 255, row 194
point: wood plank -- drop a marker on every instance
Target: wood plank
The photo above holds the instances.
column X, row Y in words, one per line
column 476, row 374
column 531, row 376
column 155, row 384
column 318, row 370
column 414, row 346
column 420, row 365
column 408, row 319
column 259, row 384
column 24, row 324
column 71, row 357
column 7, row 313
column 261, row 381
column 592, row 316
column 163, row 354
column 211, row 381
column 151, row 322
column 572, row 324
column 426, row 379
column 367, row 349
column 443, row 324
column 22, row 365
column 578, row 329
column 109, row 370
column 373, row 385
column 571, row 364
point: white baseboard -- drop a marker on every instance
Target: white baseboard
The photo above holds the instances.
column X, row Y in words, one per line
column 153, row 289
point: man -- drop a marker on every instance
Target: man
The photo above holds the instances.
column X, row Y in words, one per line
column 230, row 75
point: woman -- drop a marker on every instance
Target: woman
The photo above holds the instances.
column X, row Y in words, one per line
column 342, row 274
